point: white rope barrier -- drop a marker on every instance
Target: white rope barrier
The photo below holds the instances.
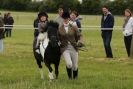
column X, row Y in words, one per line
column 20, row 25
column 83, row 27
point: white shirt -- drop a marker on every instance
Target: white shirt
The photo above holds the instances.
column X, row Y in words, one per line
column 128, row 30
column 66, row 27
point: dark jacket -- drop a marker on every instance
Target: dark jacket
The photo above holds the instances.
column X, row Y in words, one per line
column 72, row 36
column 39, row 27
column 5, row 20
column 107, row 23
column 78, row 24
column 1, row 29
column 36, row 32
column 10, row 20
column 42, row 27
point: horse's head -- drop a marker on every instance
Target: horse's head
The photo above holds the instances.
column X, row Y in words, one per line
column 52, row 30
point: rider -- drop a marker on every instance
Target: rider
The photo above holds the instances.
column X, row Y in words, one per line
column 69, row 36
column 43, row 18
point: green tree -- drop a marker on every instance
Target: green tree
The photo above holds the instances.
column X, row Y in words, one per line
column 117, row 6
column 91, row 7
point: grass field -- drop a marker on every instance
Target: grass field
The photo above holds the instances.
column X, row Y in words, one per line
column 18, row 69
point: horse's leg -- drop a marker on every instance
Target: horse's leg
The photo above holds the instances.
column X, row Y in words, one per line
column 50, row 71
column 41, row 73
column 56, row 70
column 40, row 69
column 39, row 61
column 38, row 58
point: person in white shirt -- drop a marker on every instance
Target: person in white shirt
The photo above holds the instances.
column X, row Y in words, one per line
column 128, row 30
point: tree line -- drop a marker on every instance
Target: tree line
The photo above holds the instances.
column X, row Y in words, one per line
column 86, row 7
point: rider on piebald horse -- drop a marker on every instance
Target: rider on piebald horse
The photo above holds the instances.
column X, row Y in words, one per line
column 43, row 18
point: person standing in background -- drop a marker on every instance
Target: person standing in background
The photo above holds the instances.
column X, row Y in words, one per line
column 1, row 34
column 128, row 30
column 59, row 18
column 10, row 23
column 1, row 17
column 74, row 19
column 107, row 24
column 5, row 23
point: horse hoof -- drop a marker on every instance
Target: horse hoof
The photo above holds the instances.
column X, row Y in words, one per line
column 51, row 76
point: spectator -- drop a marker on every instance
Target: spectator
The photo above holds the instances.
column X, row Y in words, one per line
column 128, row 30
column 5, row 23
column 1, row 34
column 8, row 21
column 74, row 19
column 107, row 24
column 59, row 18
column 1, row 17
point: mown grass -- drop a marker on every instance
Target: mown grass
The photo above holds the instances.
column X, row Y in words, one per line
column 18, row 68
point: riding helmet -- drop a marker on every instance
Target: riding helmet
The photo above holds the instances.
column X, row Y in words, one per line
column 42, row 13
column 65, row 15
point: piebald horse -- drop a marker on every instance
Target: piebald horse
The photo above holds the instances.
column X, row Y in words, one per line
column 49, row 49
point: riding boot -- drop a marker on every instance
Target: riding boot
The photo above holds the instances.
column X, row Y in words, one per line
column 69, row 72
column 75, row 74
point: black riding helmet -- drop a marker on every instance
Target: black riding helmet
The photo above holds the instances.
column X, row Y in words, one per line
column 66, row 15
column 42, row 13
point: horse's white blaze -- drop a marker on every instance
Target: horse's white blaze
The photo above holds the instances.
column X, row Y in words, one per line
column 41, row 72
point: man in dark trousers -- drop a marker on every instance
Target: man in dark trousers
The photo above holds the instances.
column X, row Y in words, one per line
column 8, row 20
column 107, row 23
